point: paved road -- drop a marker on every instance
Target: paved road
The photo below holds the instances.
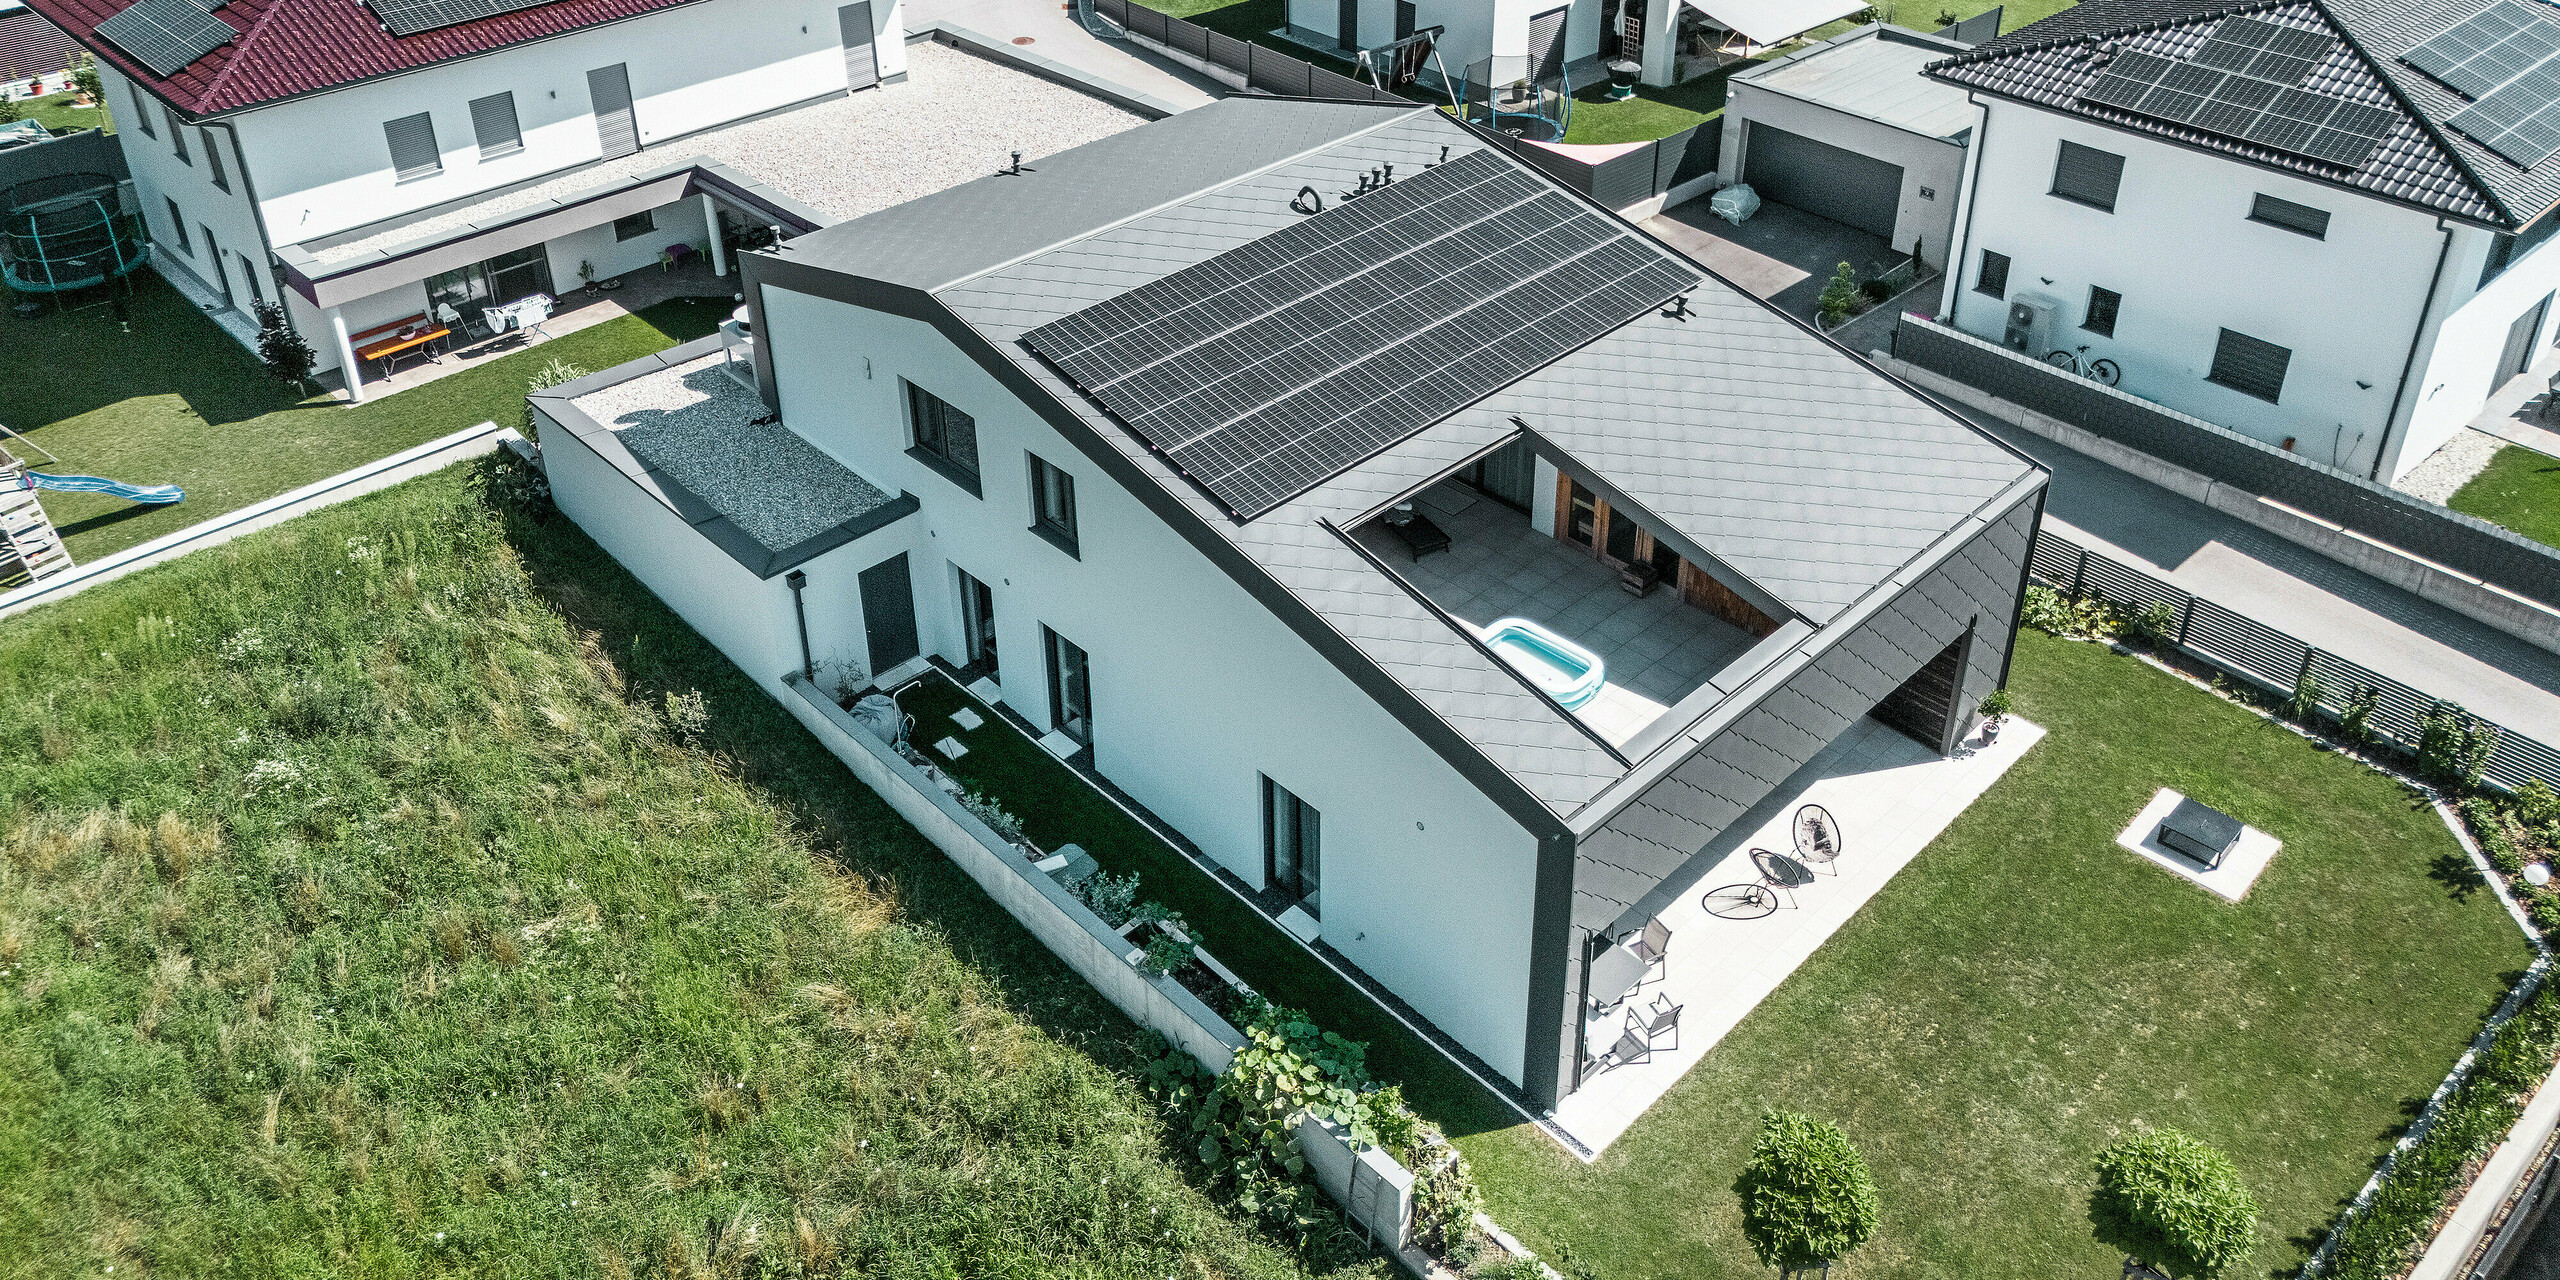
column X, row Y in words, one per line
column 2296, row 590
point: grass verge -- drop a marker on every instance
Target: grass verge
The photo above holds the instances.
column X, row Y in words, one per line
column 403, row 891
column 2519, row 489
column 56, row 112
column 167, row 398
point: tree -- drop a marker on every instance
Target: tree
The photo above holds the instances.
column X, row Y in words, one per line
column 1807, row 1198
column 84, row 77
column 288, row 358
column 1840, row 296
column 2175, row 1204
column 10, row 111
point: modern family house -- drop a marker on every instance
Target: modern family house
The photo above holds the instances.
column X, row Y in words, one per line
column 2318, row 222
column 1543, row 39
column 373, row 160
column 1443, row 557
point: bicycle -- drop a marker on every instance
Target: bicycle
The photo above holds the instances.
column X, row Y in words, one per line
column 2101, row 370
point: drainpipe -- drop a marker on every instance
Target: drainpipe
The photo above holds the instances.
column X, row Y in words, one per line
column 2382, row 449
column 797, row 580
column 1962, row 244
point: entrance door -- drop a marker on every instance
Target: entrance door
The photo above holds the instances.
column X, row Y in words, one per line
column 609, row 89
column 1070, row 688
column 1408, row 19
column 861, row 61
column 889, row 614
column 1822, row 179
column 978, row 622
column 1349, row 31
column 1293, row 846
column 2518, row 356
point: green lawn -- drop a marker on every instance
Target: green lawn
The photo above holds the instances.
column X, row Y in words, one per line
column 57, row 114
column 169, row 399
column 2023, row 993
column 366, row 909
column 2519, row 489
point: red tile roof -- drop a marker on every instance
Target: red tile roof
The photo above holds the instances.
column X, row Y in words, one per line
column 292, row 47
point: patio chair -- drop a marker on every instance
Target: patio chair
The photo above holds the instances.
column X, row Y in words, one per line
column 471, row 327
column 1751, row 899
column 1653, row 946
column 1659, row 1017
column 1818, row 842
column 1632, row 1047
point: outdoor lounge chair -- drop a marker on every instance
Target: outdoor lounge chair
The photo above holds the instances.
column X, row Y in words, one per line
column 1818, row 840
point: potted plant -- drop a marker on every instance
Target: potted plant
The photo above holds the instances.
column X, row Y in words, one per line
column 1996, row 708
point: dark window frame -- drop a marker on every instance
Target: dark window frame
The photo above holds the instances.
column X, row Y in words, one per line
column 1054, row 649
column 495, row 143
column 178, row 219
column 2230, row 359
column 177, row 135
column 1283, row 808
column 213, row 162
column 632, row 226
column 2288, row 215
column 2103, row 304
column 2086, row 196
column 1982, row 275
column 142, row 112
column 1055, row 523
column 930, row 423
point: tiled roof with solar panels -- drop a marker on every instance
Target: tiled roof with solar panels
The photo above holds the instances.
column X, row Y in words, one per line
column 1278, row 316
column 205, row 57
column 2452, row 106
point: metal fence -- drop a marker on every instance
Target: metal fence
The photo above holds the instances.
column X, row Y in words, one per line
column 2422, row 528
column 2272, row 660
column 1263, row 68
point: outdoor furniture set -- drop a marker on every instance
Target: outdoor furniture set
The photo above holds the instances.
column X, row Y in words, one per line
column 1624, row 967
column 386, row 345
column 1818, row 844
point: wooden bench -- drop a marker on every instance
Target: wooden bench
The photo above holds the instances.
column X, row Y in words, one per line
column 385, row 344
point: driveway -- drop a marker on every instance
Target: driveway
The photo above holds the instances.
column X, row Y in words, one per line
column 1782, row 253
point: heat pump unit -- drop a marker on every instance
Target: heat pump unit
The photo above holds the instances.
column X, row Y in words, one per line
column 2031, row 318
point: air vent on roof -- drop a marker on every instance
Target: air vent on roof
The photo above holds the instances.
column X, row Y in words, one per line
column 409, row 17
column 2244, row 84
column 2507, row 59
column 166, row 35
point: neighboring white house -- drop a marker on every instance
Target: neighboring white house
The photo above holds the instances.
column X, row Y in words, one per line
column 1542, row 39
column 1326, row 522
column 302, row 149
column 1850, row 129
column 2328, row 248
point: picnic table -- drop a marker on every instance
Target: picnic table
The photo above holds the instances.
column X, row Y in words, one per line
column 387, row 351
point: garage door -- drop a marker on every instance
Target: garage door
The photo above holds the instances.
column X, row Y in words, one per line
column 1819, row 178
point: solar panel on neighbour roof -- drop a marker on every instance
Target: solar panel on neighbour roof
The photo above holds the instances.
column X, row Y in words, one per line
column 2244, row 83
column 166, row 35
column 409, row 17
column 2519, row 119
column 1269, row 368
column 2488, row 49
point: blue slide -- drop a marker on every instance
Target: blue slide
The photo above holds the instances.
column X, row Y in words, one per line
column 154, row 494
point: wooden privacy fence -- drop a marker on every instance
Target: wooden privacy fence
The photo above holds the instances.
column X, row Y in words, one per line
column 2272, row 659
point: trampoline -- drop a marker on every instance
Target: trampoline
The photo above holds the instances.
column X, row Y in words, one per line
column 1524, row 95
column 66, row 232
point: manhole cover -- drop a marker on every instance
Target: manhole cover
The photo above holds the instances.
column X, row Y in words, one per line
column 1022, row 39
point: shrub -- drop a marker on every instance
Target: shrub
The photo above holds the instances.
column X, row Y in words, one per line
column 1946, row 17
column 1446, row 1201
column 2152, row 627
column 1807, row 1198
column 2355, row 720
column 1115, row 899
column 85, row 79
column 1245, row 1127
column 288, row 358
column 2453, row 746
column 2304, row 706
column 985, row 808
column 1172, row 944
column 1518, row 1266
column 2489, row 828
column 2537, row 805
column 1840, row 296
column 10, row 111
column 2173, row 1202
column 2047, row 610
column 553, row 373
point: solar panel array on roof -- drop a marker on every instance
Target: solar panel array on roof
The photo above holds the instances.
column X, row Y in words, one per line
column 409, row 17
column 2519, row 119
column 2478, row 54
column 1265, row 370
column 166, row 35
column 2244, row 83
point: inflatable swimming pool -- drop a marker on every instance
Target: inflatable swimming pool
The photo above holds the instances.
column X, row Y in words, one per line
column 1565, row 671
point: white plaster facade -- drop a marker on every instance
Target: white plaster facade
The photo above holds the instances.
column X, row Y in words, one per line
column 1472, row 29
column 2392, row 353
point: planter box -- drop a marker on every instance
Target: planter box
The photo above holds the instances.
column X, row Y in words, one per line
column 1213, row 983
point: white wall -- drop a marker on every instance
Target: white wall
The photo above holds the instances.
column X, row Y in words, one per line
column 1197, row 689
column 681, row 222
column 2457, row 371
column 1475, row 28
column 323, row 166
column 159, row 176
column 2181, row 250
column 1928, row 164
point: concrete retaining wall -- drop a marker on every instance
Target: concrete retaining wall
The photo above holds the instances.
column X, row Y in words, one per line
column 2463, row 593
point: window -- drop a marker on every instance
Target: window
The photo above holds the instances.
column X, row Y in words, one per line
column 1053, row 504
column 2086, row 175
column 1292, row 846
column 1070, row 687
column 213, row 259
column 177, row 136
column 946, row 439
column 213, row 161
column 413, row 146
column 249, row 272
column 493, row 126
column 633, row 226
column 2300, row 219
column 178, row 223
column 142, row 111
column 2101, row 319
column 2249, row 366
column 1993, row 278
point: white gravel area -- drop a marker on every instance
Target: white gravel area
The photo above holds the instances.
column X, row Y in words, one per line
column 955, row 117
column 669, row 391
column 2448, row 469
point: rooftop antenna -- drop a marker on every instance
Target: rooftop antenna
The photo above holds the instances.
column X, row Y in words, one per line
column 1679, row 309
column 1014, row 168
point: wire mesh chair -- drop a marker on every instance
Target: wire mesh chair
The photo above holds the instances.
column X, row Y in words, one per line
column 1818, row 842
column 1751, row 899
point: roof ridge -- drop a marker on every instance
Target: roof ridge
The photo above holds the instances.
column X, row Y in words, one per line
column 208, row 100
column 2390, row 82
column 1980, row 54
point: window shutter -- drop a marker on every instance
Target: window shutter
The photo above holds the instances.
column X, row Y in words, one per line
column 213, row 161
column 2088, row 175
column 413, row 146
column 493, row 124
column 2249, row 366
column 2300, row 218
